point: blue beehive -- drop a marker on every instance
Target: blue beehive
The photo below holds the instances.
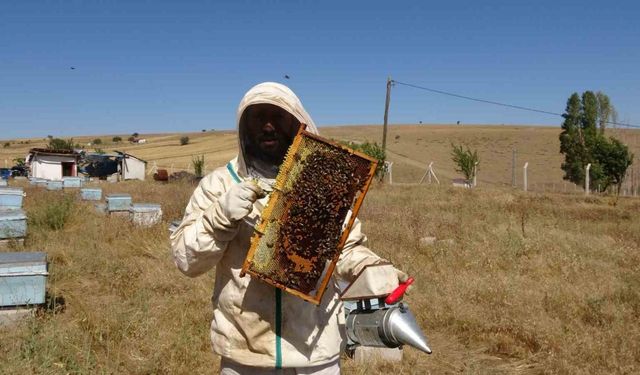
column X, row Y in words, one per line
column 36, row 180
column 54, row 185
column 91, row 194
column 11, row 198
column 118, row 202
column 23, row 278
column 13, row 224
column 71, row 182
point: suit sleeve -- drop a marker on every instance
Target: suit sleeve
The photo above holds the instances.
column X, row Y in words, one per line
column 355, row 254
column 200, row 241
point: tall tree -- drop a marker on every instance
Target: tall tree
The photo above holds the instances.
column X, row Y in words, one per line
column 606, row 111
column 582, row 142
column 572, row 143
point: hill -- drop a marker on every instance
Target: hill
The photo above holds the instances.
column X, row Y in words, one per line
column 410, row 147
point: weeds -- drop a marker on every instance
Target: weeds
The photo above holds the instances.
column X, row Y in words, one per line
column 54, row 214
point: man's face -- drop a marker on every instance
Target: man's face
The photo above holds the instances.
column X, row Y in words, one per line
column 270, row 131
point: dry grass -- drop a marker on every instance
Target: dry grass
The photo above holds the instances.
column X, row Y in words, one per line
column 410, row 148
column 530, row 283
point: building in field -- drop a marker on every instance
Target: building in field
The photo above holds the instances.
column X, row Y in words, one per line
column 52, row 164
column 131, row 167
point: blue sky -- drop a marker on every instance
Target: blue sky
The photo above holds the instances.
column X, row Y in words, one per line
column 169, row 66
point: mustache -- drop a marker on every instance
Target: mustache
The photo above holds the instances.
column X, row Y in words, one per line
column 271, row 137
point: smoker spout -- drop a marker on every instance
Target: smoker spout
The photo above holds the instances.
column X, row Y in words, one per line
column 401, row 327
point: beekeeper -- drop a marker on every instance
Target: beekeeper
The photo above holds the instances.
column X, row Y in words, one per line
column 257, row 328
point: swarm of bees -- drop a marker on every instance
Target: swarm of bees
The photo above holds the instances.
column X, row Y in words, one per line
column 303, row 232
column 318, row 204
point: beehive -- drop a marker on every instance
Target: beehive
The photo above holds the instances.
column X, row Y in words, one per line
column 35, row 180
column 302, row 229
column 13, row 223
column 54, row 185
column 11, row 198
column 71, row 182
column 118, row 202
column 22, row 278
column 145, row 214
column 91, row 194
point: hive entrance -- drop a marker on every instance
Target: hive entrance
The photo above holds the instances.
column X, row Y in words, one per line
column 300, row 235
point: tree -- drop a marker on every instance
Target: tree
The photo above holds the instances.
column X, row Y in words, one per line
column 135, row 135
column 606, row 111
column 572, row 143
column 184, row 141
column 97, row 141
column 466, row 160
column 116, row 139
column 58, row 144
column 614, row 159
column 582, row 141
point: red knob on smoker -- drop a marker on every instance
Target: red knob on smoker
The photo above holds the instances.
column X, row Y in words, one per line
column 398, row 292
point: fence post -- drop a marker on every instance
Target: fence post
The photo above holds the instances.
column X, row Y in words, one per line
column 475, row 174
column 388, row 166
column 524, row 175
column 586, row 180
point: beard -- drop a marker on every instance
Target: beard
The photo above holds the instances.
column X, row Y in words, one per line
column 270, row 147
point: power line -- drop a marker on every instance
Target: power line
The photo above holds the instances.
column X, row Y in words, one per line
column 500, row 104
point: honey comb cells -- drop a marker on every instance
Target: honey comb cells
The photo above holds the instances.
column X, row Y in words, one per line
column 302, row 229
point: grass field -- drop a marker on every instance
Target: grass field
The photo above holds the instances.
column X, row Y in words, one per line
column 410, row 147
column 525, row 283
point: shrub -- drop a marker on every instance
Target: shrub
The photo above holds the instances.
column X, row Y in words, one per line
column 58, row 144
column 97, row 141
column 466, row 160
column 198, row 165
column 184, row 141
column 7, row 144
column 54, row 214
column 116, row 139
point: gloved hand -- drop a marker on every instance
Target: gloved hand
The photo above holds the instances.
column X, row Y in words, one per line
column 238, row 201
column 402, row 277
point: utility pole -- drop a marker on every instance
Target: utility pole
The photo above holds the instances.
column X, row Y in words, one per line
column 386, row 114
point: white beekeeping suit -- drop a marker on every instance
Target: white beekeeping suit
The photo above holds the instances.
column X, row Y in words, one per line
column 255, row 324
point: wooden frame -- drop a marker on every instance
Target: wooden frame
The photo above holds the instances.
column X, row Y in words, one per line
column 277, row 194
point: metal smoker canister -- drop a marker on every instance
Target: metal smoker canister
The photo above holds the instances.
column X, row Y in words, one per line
column 386, row 327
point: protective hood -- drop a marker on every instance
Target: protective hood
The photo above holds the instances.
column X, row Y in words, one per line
column 275, row 94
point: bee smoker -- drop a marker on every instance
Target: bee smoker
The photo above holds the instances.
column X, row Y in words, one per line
column 378, row 318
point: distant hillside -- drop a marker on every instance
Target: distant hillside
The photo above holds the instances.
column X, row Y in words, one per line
column 410, row 147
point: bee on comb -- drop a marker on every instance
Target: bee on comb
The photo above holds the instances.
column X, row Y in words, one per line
column 303, row 228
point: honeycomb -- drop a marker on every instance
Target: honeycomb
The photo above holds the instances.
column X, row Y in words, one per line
column 302, row 229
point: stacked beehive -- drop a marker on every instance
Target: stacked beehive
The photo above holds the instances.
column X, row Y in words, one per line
column 13, row 221
column 142, row 214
